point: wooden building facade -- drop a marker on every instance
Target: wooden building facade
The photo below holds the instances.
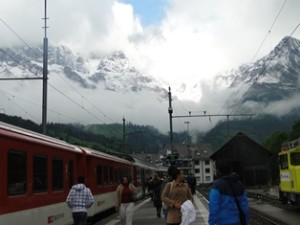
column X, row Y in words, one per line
column 249, row 159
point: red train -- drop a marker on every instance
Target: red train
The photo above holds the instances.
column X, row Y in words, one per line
column 37, row 171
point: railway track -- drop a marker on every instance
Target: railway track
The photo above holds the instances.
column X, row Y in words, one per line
column 256, row 217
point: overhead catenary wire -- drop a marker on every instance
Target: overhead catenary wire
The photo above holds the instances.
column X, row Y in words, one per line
column 19, row 63
column 5, row 93
column 276, row 52
column 17, row 105
column 15, row 33
column 256, row 53
column 70, row 99
column 19, row 37
column 83, row 97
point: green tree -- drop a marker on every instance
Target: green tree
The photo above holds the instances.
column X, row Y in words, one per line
column 295, row 131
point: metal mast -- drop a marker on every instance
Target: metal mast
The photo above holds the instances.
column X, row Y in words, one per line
column 170, row 110
column 45, row 74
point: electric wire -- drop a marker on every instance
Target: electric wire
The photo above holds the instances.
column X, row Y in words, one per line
column 71, row 100
column 83, row 97
column 39, row 106
column 13, row 58
column 262, row 43
column 18, row 106
column 15, row 33
column 276, row 52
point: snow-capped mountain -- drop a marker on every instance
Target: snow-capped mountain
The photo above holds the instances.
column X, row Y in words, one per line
column 271, row 79
column 112, row 71
column 268, row 84
column 104, row 88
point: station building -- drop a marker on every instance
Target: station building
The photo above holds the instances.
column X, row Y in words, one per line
column 250, row 159
column 193, row 159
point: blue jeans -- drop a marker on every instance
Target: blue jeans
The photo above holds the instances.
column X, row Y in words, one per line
column 79, row 218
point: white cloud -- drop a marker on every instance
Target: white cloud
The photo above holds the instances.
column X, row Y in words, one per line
column 195, row 40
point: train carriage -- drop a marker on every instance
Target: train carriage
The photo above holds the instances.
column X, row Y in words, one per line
column 289, row 166
column 34, row 176
column 37, row 171
column 103, row 175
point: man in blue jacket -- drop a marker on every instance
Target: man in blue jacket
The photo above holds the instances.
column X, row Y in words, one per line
column 227, row 195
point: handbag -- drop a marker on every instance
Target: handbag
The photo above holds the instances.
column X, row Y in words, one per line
column 241, row 213
column 165, row 206
column 134, row 196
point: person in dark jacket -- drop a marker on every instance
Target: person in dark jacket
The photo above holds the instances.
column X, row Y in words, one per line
column 157, row 183
column 79, row 199
column 223, row 208
column 192, row 182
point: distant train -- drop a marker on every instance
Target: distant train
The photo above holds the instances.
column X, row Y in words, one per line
column 289, row 166
column 37, row 171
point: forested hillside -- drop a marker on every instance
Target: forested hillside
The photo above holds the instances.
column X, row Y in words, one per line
column 268, row 131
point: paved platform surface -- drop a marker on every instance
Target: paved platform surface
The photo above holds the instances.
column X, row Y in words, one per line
column 145, row 214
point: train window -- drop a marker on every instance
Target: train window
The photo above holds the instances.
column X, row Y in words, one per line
column 71, row 173
column 120, row 175
column 116, row 179
column 283, row 161
column 105, row 175
column 99, row 175
column 16, row 173
column 57, row 174
column 295, row 159
column 111, row 175
column 39, row 174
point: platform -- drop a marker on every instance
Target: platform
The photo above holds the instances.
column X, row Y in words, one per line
column 145, row 213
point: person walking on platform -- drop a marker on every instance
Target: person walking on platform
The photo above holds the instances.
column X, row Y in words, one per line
column 79, row 200
column 174, row 195
column 228, row 203
column 157, row 183
column 168, row 179
column 125, row 200
column 192, row 183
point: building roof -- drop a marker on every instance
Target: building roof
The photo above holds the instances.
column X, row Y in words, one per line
column 239, row 142
column 195, row 151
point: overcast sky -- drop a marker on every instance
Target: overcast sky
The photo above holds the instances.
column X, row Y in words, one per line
column 173, row 39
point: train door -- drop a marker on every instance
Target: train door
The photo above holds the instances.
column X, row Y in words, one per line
column 285, row 177
column 143, row 181
column 295, row 171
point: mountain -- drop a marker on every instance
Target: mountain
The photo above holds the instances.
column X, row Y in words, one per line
column 271, row 79
column 269, row 88
column 112, row 71
column 106, row 88
column 99, row 89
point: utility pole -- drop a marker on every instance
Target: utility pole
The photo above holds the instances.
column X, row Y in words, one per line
column 124, row 134
column 127, row 134
column 170, row 110
column 188, row 145
column 45, row 74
